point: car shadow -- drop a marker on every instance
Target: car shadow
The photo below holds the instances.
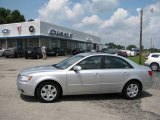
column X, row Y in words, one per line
column 28, row 98
column 95, row 97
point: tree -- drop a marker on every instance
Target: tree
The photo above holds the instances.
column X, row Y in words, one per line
column 5, row 15
column 8, row 16
column 17, row 17
column 120, row 47
column 30, row 20
column 111, row 45
column 130, row 47
column 142, row 47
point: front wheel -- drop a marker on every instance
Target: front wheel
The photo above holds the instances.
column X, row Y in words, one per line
column 48, row 92
column 132, row 90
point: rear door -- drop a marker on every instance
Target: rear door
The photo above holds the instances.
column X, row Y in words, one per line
column 116, row 72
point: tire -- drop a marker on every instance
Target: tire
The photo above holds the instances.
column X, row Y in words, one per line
column 26, row 57
column 37, row 56
column 48, row 92
column 154, row 66
column 18, row 55
column 132, row 90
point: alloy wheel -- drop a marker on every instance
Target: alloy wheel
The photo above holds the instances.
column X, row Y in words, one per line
column 48, row 92
column 132, row 90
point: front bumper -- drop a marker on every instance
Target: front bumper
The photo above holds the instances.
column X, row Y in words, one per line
column 25, row 88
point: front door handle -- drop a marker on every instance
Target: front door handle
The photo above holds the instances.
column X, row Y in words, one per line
column 125, row 73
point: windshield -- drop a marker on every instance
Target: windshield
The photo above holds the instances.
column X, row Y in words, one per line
column 69, row 61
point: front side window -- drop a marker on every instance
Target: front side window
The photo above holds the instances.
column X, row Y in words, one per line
column 93, row 62
column 111, row 62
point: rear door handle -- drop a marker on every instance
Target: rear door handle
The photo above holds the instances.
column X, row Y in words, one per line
column 95, row 74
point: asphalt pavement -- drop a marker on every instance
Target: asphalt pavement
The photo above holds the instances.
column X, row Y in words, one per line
column 14, row 106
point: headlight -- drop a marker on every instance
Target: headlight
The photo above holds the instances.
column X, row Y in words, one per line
column 25, row 78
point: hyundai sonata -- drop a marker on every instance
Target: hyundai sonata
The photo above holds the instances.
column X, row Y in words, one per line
column 85, row 73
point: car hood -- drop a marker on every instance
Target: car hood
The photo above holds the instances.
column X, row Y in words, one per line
column 38, row 69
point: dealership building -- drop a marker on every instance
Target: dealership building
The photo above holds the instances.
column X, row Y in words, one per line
column 38, row 33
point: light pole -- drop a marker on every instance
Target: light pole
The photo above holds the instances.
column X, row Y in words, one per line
column 140, row 40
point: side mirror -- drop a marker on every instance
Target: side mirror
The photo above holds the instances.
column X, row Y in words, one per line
column 77, row 68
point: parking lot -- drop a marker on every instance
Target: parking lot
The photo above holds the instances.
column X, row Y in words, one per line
column 14, row 106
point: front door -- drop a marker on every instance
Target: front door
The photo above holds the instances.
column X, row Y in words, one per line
column 88, row 79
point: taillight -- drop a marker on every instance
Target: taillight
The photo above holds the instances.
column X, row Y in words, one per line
column 150, row 73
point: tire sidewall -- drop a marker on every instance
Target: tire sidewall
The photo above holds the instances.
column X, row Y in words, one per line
column 125, row 90
column 38, row 92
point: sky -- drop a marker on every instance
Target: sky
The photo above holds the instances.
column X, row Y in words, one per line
column 115, row 21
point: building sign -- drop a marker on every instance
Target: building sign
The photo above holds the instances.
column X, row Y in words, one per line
column 5, row 31
column 19, row 29
column 60, row 33
column 31, row 29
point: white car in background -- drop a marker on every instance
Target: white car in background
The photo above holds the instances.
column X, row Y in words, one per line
column 153, row 61
column 131, row 53
column 1, row 51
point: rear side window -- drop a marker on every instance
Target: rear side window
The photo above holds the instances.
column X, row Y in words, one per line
column 111, row 62
column 155, row 55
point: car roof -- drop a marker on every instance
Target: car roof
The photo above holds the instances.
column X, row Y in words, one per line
column 154, row 53
column 94, row 53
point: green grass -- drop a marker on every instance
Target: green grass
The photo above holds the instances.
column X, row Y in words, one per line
column 136, row 59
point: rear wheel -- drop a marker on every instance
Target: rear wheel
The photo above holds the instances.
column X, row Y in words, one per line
column 132, row 90
column 154, row 66
column 48, row 92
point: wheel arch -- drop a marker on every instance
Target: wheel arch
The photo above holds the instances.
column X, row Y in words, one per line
column 48, row 80
column 154, row 63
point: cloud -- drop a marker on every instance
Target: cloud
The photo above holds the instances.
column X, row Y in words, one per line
column 53, row 10
column 74, row 14
column 121, row 27
column 117, row 18
column 92, row 20
column 102, row 6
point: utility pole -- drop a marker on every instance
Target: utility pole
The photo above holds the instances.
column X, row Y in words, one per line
column 140, row 41
column 151, row 46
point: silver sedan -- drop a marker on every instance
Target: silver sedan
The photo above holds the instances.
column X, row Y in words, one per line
column 86, row 73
